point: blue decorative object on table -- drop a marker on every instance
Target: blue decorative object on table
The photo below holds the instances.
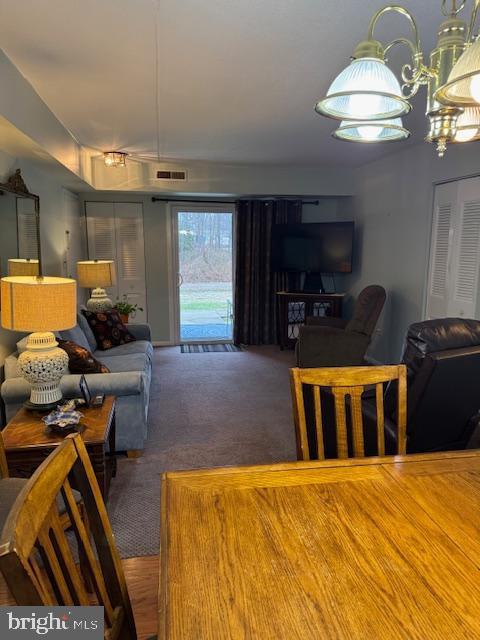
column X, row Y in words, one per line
column 64, row 418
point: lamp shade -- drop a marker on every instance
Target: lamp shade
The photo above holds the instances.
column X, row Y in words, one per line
column 21, row 267
column 366, row 90
column 38, row 304
column 370, row 132
column 463, row 85
column 96, row 273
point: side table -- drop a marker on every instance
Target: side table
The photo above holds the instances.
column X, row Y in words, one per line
column 28, row 441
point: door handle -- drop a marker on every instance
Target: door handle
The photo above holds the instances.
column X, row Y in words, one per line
column 180, row 279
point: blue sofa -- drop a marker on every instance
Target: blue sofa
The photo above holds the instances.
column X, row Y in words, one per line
column 131, row 371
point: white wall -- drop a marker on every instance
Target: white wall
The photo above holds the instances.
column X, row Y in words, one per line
column 393, row 209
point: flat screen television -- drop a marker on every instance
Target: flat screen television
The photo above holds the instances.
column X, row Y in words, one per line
column 323, row 247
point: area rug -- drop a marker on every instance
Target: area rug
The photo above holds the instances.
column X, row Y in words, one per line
column 216, row 410
column 209, row 348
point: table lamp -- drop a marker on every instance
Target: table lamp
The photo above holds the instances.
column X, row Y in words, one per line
column 23, row 267
column 40, row 305
column 96, row 275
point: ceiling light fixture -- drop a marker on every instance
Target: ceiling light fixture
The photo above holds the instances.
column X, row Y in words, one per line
column 115, row 158
column 368, row 98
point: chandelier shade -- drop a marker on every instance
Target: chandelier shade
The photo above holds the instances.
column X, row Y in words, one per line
column 371, row 132
column 463, row 85
column 468, row 125
column 366, row 90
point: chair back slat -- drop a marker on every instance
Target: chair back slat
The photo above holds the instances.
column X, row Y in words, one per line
column 318, row 421
column 347, row 385
column 380, row 419
column 3, row 459
column 38, row 578
column 341, row 422
column 67, row 562
column 303, row 451
column 357, row 420
column 402, row 412
column 35, row 527
column 56, row 574
column 86, row 548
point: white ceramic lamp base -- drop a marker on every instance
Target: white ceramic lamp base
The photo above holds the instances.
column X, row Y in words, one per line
column 43, row 364
column 99, row 301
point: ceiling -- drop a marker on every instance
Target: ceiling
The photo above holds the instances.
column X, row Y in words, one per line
column 237, row 79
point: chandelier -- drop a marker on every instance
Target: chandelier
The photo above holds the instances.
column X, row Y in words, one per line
column 369, row 101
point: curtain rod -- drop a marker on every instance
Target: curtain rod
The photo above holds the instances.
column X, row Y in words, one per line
column 154, row 199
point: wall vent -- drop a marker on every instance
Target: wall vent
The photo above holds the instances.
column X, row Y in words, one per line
column 173, row 176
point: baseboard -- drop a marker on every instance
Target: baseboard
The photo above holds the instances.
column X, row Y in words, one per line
column 163, row 343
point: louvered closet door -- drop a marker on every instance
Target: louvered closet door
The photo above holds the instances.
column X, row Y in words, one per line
column 101, row 235
column 131, row 255
column 466, row 251
column 439, row 281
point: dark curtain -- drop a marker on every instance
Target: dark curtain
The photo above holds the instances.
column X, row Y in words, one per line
column 256, row 284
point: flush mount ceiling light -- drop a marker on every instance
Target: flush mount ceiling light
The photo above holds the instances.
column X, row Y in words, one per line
column 369, row 100
column 114, row 158
column 370, row 132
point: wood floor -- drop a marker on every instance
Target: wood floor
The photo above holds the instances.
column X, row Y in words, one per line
column 141, row 575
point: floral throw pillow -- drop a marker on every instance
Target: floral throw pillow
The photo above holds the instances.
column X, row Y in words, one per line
column 108, row 329
column 80, row 360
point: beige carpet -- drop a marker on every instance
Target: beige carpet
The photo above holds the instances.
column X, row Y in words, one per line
column 206, row 410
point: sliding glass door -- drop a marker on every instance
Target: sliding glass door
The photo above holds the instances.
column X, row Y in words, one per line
column 204, row 301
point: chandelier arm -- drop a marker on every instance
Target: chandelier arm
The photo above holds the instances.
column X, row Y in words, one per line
column 455, row 10
column 406, row 42
column 473, row 20
column 415, row 74
column 404, row 12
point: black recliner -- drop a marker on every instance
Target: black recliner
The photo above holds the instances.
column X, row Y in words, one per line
column 443, row 369
column 443, row 398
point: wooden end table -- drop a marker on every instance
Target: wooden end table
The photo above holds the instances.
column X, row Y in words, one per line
column 28, row 442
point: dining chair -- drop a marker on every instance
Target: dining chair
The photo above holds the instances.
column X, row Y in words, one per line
column 10, row 489
column 37, row 557
column 347, row 385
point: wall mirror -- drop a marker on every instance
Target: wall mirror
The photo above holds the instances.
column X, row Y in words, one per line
column 20, row 221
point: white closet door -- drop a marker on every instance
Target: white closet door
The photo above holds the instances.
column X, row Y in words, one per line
column 466, row 251
column 101, row 235
column 444, row 214
column 115, row 232
column 131, row 255
column 27, row 229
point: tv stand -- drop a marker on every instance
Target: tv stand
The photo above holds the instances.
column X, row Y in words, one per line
column 295, row 307
column 313, row 283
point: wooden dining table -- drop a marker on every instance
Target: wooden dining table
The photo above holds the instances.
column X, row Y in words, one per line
column 367, row 548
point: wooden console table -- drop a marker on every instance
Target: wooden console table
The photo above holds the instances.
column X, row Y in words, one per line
column 294, row 307
column 28, row 442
